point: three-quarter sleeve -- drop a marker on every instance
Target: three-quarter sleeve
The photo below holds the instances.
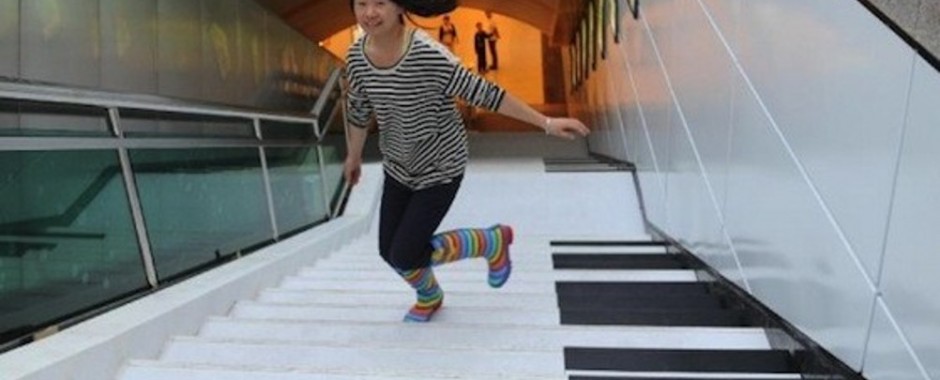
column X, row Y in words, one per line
column 358, row 107
column 474, row 89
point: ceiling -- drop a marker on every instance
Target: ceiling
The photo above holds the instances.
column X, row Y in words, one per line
column 320, row 19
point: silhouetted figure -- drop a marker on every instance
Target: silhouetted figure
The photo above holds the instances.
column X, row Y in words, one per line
column 479, row 46
column 493, row 33
column 447, row 34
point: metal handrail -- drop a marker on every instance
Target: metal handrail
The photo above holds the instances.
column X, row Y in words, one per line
column 114, row 102
column 331, row 83
column 18, row 90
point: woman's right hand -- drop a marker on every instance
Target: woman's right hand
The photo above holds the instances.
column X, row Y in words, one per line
column 352, row 170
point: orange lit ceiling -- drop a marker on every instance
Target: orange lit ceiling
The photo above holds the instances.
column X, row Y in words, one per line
column 320, row 19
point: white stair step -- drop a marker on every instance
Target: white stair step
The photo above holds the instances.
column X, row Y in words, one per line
column 479, row 286
column 539, row 256
column 601, row 250
column 666, row 375
column 446, row 275
column 309, row 358
column 369, row 313
column 471, row 265
column 397, row 299
column 526, row 338
column 371, row 250
column 538, row 283
column 156, row 370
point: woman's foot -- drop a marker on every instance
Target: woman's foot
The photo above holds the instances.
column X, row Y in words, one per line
column 500, row 265
column 430, row 295
column 426, row 306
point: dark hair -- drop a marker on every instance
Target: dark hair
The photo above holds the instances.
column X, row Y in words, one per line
column 423, row 8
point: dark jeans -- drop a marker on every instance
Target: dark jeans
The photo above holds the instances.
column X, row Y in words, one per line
column 481, row 61
column 409, row 219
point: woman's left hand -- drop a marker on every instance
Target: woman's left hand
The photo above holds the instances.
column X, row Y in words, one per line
column 565, row 127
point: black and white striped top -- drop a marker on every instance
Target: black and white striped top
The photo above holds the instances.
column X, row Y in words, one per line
column 421, row 133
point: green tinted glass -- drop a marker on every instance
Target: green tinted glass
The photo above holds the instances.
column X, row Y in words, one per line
column 201, row 206
column 138, row 123
column 296, row 187
column 274, row 130
column 67, row 241
column 334, row 152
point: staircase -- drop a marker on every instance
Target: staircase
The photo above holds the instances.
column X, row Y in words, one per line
column 580, row 305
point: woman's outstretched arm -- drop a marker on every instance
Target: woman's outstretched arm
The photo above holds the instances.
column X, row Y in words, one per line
column 556, row 126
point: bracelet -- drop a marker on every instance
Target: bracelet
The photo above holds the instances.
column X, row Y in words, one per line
column 548, row 124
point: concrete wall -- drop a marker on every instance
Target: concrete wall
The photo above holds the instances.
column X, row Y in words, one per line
column 789, row 144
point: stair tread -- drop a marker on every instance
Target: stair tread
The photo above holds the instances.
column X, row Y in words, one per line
column 247, row 309
column 655, row 317
column 308, row 358
column 678, row 360
column 620, row 261
column 158, row 370
column 531, row 338
column 445, row 275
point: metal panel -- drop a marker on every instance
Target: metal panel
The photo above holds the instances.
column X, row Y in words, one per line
column 179, row 48
column 836, row 85
column 9, row 53
column 888, row 357
column 128, row 45
column 60, row 41
column 700, row 73
column 9, row 39
column 694, row 218
column 220, row 54
column 789, row 250
column 725, row 13
column 252, row 52
column 911, row 261
column 655, row 102
column 630, row 47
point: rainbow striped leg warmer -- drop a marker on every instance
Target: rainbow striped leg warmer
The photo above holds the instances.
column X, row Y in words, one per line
column 491, row 243
column 430, row 295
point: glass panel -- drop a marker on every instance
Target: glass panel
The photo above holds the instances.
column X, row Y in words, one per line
column 201, row 206
column 67, row 240
column 334, row 152
column 273, row 130
column 295, row 187
column 137, row 123
column 329, row 117
column 22, row 118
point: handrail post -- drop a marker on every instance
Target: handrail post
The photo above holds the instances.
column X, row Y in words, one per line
column 347, row 187
column 266, row 175
column 130, row 186
column 331, row 83
column 326, row 189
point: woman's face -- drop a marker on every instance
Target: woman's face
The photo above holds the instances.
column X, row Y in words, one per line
column 377, row 17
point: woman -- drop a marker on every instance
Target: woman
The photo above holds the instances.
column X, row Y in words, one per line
column 408, row 81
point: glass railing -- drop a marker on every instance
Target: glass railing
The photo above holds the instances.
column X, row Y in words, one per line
column 105, row 196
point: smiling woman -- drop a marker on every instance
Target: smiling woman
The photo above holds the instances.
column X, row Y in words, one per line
column 407, row 82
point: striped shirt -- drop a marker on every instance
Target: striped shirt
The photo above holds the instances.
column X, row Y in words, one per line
column 421, row 134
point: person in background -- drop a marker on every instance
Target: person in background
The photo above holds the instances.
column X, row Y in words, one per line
column 493, row 33
column 407, row 82
column 447, row 34
column 479, row 47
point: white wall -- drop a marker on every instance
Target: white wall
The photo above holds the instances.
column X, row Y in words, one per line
column 788, row 143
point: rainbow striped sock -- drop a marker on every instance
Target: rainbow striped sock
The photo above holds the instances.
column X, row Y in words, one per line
column 491, row 243
column 430, row 295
